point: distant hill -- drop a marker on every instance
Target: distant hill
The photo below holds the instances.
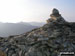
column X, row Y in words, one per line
column 37, row 23
column 7, row 29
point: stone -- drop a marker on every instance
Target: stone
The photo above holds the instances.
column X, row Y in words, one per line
column 55, row 13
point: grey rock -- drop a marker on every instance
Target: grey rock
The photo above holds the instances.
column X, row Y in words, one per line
column 55, row 11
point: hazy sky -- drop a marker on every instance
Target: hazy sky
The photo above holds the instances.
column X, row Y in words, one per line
column 35, row 10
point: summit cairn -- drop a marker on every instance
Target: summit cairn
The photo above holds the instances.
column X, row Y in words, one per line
column 55, row 16
column 48, row 40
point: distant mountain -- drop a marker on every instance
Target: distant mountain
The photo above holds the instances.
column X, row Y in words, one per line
column 7, row 29
column 37, row 23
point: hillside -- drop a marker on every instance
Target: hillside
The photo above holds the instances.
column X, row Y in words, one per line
column 56, row 36
column 7, row 29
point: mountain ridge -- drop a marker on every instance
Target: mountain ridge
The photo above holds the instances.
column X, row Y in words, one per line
column 7, row 29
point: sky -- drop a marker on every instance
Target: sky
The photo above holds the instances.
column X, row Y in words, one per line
column 35, row 10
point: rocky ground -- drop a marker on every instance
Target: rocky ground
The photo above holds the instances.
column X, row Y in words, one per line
column 49, row 40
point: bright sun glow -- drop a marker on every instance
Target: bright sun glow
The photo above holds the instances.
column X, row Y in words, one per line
column 31, row 10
